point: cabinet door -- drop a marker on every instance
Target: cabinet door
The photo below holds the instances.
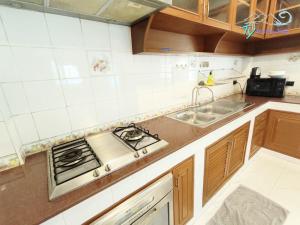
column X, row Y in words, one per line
column 215, row 174
column 284, row 18
column 259, row 133
column 184, row 192
column 238, row 149
column 241, row 13
column 283, row 133
column 189, row 5
column 218, row 13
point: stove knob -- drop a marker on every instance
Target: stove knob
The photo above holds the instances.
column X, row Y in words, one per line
column 107, row 168
column 96, row 173
column 145, row 151
column 136, row 155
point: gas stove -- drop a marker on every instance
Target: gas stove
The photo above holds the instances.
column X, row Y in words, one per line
column 74, row 164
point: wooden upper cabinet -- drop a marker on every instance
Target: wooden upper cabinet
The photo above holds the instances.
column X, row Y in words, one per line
column 188, row 5
column 284, row 18
column 218, row 13
column 183, row 191
column 251, row 13
column 283, row 133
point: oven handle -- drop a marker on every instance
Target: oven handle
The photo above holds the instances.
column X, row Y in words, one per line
column 167, row 199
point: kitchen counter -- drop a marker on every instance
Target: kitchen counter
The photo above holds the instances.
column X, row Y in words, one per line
column 24, row 190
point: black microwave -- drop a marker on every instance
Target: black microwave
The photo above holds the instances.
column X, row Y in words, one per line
column 267, row 87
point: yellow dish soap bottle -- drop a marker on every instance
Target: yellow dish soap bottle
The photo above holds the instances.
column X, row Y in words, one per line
column 210, row 79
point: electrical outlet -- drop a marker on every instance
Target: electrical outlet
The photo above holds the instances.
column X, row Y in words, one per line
column 290, row 83
column 204, row 64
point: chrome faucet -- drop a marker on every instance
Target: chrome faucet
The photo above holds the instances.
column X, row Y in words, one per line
column 195, row 93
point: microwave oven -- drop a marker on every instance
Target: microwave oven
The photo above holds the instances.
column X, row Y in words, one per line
column 267, row 87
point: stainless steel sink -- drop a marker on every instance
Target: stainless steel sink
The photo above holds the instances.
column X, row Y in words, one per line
column 208, row 114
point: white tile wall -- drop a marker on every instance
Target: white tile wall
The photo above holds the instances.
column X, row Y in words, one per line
column 6, row 146
column 44, row 95
column 64, row 31
column 50, row 88
column 35, row 63
column 3, row 39
column 26, row 128
column 281, row 62
column 25, row 27
column 15, row 95
column 7, row 66
column 95, row 35
column 72, row 63
column 52, row 123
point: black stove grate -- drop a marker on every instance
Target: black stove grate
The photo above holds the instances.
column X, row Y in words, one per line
column 121, row 132
column 72, row 155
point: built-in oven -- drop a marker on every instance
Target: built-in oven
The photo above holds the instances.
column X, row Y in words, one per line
column 151, row 206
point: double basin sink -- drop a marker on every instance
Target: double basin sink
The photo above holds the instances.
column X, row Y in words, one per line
column 208, row 114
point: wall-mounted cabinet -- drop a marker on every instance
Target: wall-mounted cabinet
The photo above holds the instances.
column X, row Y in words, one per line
column 284, row 18
column 252, row 14
column 192, row 6
column 218, row 13
column 214, row 26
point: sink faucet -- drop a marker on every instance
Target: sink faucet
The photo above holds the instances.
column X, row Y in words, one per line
column 195, row 94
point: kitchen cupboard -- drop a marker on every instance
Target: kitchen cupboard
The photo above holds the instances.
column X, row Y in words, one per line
column 251, row 13
column 188, row 5
column 259, row 132
column 284, row 18
column 183, row 175
column 283, row 132
column 218, row 13
column 223, row 159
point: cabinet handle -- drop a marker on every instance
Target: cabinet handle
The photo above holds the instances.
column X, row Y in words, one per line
column 176, row 182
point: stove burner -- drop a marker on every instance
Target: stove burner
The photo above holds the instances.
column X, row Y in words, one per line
column 134, row 135
column 71, row 157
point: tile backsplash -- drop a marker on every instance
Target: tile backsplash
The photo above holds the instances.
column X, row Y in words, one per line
column 61, row 75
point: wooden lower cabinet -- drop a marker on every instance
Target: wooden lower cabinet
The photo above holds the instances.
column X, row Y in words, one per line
column 283, row 133
column 223, row 159
column 259, row 131
column 183, row 176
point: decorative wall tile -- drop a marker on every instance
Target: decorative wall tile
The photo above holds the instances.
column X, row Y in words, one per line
column 64, row 31
column 15, row 95
column 26, row 128
column 24, row 27
column 35, row 63
column 95, row 35
column 52, row 123
column 44, row 95
column 100, row 62
column 72, row 63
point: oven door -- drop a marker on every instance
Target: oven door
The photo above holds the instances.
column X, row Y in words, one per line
column 161, row 213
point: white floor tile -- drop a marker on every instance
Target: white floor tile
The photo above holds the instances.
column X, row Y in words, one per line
column 271, row 175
